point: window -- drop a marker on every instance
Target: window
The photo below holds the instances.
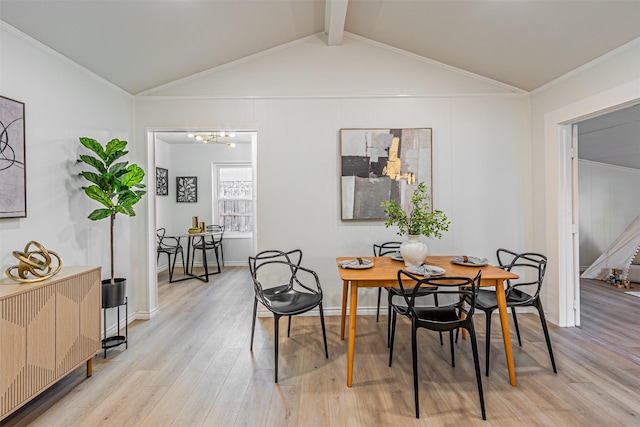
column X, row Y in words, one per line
column 235, row 198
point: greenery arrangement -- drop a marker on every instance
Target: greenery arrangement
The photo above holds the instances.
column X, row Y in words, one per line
column 116, row 186
column 421, row 220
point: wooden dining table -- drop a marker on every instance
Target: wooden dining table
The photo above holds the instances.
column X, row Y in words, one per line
column 384, row 273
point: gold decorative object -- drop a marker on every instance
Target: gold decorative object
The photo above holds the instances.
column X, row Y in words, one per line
column 37, row 262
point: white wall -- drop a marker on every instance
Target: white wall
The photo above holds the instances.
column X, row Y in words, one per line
column 197, row 160
column 62, row 103
column 480, row 139
column 298, row 97
column 163, row 204
column 610, row 81
column 609, row 202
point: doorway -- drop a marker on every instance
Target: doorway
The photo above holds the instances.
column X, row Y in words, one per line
column 562, row 240
column 186, row 153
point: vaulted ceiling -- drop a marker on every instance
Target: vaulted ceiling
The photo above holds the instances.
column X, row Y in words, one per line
column 139, row 45
column 142, row 44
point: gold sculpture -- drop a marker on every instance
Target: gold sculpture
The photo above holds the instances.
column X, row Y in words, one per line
column 37, row 262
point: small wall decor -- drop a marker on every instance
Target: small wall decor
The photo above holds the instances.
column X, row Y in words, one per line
column 162, row 182
column 187, row 189
column 37, row 262
column 378, row 165
column 13, row 176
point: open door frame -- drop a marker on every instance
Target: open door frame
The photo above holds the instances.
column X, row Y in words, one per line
column 561, row 196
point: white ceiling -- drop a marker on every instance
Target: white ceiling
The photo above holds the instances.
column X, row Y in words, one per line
column 612, row 138
column 139, row 45
column 142, row 44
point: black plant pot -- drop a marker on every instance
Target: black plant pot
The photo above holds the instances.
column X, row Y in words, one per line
column 113, row 294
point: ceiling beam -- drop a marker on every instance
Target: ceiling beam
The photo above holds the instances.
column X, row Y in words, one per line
column 334, row 18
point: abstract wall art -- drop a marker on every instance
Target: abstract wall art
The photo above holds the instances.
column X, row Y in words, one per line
column 379, row 165
column 162, row 182
column 187, row 189
column 13, row 177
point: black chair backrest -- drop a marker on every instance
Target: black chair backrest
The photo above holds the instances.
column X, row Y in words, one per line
column 294, row 256
column 530, row 266
column 386, row 248
column 458, row 293
column 167, row 243
column 160, row 232
column 272, row 268
column 217, row 232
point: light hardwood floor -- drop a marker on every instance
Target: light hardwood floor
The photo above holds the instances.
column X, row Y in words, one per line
column 191, row 366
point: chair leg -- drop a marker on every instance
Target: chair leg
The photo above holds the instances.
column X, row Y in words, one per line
column 389, row 326
column 215, row 250
column 276, row 321
column 324, row 332
column 253, row 323
column 515, row 324
column 169, row 266
column 488, row 340
column 453, row 357
column 435, row 299
column 392, row 334
column 538, row 305
column 289, row 328
column 476, row 363
column 172, row 266
column 414, row 355
column 378, row 309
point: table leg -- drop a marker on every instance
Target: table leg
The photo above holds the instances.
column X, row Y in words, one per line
column 353, row 308
column 506, row 336
column 189, row 254
column 345, row 290
column 204, row 260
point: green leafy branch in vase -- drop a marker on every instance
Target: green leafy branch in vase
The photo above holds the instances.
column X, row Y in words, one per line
column 421, row 220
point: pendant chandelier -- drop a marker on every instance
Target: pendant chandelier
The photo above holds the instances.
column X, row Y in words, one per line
column 214, row 137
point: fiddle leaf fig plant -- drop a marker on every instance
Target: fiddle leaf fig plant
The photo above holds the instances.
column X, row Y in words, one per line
column 116, row 186
column 420, row 220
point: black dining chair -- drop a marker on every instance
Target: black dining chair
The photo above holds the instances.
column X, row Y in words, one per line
column 286, row 289
column 522, row 292
column 452, row 313
column 381, row 250
column 171, row 246
column 211, row 241
column 386, row 249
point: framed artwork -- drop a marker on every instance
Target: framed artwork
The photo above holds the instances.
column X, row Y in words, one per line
column 187, row 189
column 379, row 165
column 162, row 182
column 13, row 175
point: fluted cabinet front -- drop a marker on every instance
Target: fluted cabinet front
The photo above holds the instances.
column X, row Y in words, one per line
column 47, row 329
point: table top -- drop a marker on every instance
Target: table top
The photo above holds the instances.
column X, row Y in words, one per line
column 205, row 233
column 386, row 269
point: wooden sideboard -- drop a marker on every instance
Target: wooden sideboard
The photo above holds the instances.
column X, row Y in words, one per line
column 47, row 329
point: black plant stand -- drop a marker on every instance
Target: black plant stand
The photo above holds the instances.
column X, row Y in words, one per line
column 116, row 340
